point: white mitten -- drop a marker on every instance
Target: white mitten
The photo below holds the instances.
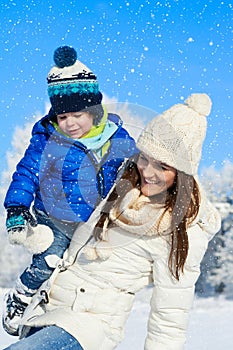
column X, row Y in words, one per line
column 38, row 239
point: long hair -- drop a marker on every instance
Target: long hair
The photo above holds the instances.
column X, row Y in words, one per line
column 182, row 203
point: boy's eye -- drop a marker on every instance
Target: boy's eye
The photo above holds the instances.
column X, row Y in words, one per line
column 62, row 117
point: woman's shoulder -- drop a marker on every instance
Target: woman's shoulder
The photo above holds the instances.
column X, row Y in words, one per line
column 209, row 218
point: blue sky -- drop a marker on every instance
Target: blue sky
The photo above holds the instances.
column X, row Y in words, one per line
column 151, row 53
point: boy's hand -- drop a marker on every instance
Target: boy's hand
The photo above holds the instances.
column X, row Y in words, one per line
column 17, row 223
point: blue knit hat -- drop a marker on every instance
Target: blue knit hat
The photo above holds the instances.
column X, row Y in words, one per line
column 72, row 86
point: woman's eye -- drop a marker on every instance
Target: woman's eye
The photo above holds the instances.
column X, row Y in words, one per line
column 141, row 157
column 166, row 168
column 142, row 160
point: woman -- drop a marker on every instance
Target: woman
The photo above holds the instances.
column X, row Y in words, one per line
column 153, row 228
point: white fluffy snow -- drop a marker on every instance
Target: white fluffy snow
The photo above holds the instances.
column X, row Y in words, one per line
column 210, row 326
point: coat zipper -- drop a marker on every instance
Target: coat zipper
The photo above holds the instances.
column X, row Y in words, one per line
column 99, row 173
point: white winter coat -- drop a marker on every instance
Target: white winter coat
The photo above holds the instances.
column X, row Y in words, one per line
column 93, row 298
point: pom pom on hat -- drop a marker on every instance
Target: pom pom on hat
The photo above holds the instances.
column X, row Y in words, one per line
column 176, row 136
column 65, row 56
column 200, row 103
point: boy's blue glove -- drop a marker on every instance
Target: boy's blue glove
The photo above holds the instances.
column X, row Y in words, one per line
column 19, row 219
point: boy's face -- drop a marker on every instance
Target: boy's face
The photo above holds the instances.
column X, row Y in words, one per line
column 75, row 124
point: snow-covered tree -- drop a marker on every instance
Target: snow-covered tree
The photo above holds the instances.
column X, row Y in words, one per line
column 221, row 277
column 217, row 265
column 12, row 259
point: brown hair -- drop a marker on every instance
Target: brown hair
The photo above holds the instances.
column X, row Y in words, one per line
column 182, row 202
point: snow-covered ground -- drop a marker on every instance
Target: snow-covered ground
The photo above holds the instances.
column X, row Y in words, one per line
column 210, row 326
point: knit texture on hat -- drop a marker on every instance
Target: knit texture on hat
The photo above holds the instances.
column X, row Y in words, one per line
column 176, row 136
column 72, row 86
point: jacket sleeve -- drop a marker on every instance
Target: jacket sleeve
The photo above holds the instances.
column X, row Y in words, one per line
column 25, row 180
column 171, row 299
column 130, row 148
column 125, row 144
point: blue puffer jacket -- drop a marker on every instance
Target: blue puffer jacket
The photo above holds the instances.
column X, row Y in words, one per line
column 62, row 176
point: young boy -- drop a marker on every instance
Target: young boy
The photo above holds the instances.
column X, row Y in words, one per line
column 70, row 165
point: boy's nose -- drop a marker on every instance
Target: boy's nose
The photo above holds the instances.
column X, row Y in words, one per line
column 70, row 120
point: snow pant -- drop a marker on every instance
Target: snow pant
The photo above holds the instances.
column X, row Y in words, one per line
column 47, row 338
column 39, row 271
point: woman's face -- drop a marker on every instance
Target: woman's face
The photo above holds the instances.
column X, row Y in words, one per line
column 75, row 124
column 156, row 177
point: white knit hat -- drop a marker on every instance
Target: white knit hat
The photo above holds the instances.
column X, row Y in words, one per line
column 175, row 137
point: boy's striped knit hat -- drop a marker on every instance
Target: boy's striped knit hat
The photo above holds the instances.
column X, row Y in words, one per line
column 72, row 86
